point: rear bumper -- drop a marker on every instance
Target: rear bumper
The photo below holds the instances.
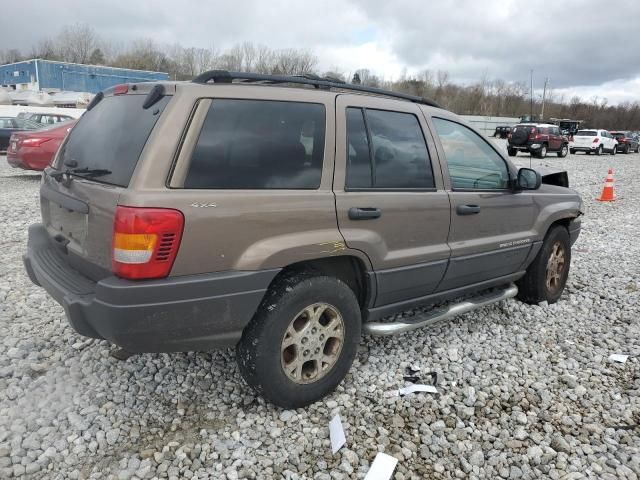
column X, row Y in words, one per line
column 533, row 147
column 187, row 313
column 584, row 149
column 15, row 162
column 28, row 159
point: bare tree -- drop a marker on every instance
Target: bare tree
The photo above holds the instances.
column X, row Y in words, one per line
column 45, row 49
column 10, row 56
column 75, row 43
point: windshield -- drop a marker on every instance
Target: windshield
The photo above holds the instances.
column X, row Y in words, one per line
column 586, row 133
column 111, row 137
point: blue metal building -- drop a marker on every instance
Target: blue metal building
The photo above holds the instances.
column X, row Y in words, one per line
column 54, row 76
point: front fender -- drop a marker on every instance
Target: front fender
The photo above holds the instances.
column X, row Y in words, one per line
column 567, row 206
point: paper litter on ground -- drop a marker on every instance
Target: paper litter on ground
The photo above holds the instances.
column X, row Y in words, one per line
column 382, row 467
column 617, row 357
column 336, row 434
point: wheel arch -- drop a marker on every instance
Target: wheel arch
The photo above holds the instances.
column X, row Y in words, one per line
column 351, row 269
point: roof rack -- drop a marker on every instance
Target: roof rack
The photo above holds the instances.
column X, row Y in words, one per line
column 223, row 76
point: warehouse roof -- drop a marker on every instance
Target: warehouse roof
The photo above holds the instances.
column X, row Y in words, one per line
column 79, row 64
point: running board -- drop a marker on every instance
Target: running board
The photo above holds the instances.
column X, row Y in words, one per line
column 439, row 314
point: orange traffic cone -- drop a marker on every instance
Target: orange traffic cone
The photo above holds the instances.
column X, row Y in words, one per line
column 607, row 194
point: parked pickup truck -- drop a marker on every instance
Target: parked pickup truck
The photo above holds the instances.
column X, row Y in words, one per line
column 238, row 210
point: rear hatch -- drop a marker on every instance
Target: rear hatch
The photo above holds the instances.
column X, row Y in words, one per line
column 100, row 155
column 585, row 138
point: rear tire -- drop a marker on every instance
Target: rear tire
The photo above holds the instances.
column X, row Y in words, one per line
column 512, row 151
column 638, row 148
column 302, row 340
column 626, row 149
column 542, row 153
column 547, row 275
column 563, row 151
column 572, row 151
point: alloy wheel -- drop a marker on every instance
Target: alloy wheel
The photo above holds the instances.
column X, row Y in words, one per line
column 555, row 267
column 312, row 343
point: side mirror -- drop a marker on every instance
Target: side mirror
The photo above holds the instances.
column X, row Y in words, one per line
column 528, row 179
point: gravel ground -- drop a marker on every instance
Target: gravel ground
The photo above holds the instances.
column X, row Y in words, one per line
column 526, row 391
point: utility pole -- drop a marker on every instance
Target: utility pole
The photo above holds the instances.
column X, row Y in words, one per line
column 531, row 112
column 544, row 93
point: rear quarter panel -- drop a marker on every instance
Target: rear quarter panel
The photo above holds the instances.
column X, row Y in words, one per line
column 237, row 229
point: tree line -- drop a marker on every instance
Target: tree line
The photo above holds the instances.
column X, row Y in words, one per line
column 79, row 43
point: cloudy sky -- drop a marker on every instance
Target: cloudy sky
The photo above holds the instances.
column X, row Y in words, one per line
column 588, row 48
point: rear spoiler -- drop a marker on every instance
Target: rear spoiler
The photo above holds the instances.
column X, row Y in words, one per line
column 156, row 92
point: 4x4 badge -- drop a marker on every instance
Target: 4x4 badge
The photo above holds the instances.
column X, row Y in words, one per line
column 204, row 205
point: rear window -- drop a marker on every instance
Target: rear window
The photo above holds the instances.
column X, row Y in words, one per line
column 619, row 134
column 259, row 144
column 111, row 136
column 586, row 133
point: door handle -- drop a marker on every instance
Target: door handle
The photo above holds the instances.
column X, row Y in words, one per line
column 364, row 213
column 467, row 209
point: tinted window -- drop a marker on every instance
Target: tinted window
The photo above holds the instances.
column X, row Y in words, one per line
column 111, row 136
column 399, row 151
column 358, row 161
column 397, row 155
column 7, row 123
column 472, row 162
column 586, row 133
column 257, row 144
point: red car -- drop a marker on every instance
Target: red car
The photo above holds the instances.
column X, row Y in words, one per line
column 33, row 150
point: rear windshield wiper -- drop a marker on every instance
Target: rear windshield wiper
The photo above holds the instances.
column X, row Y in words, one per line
column 88, row 172
column 83, row 172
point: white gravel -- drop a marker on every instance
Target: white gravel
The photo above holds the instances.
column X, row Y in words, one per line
column 526, row 391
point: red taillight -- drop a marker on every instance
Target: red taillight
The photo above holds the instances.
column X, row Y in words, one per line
column 33, row 142
column 120, row 89
column 596, row 140
column 145, row 241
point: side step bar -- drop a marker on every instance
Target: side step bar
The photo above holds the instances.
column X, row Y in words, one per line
column 439, row 314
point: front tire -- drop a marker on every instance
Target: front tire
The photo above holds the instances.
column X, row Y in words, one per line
column 572, row 151
column 599, row 150
column 302, row 340
column 547, row 275
column 512, row 151
column 614, row 150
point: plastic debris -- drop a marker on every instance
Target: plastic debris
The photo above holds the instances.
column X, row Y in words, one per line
column 413, row 389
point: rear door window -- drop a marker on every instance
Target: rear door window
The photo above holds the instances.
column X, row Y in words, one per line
column 386, row 150
column 111, row 137
column 259, row 144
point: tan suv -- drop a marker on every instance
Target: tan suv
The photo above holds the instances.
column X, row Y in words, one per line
column 286, row 216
